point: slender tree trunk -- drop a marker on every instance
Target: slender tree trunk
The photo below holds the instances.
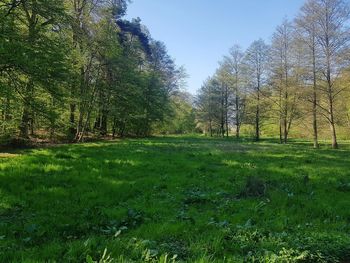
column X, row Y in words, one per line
column 24, row 125
column 314, row 99
column 285, row 130
column 32, row 123
column 72, row 129
column 286, row 102
column 222, row 116
column 280, row 115
column 314, row 116
column 331, row 101
column 103, row 131
column 237, row 116
column 257, row 125
column 114, row 128
column 332, row 124
column 23, row 128
column 237, row 108
column 257, row 117
column 6, row 112
column 226, row 110
column 210, row 129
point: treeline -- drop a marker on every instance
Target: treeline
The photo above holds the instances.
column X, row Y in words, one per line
column 297, row 83
column 76, row 68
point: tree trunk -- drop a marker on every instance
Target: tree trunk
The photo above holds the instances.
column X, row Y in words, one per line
column 314, row 122
column 237, row 116
column 23, row 128
column 29, row 89
column 237, row 108
column 24, row 125
column 332, row 124
column 226, row 110
column 210, row 129
column 222, row 117
column 103, row 130
column 285, row 114
column 72, row 130
column 257, row 117
column 285, row 130
column 314, row 99
column 331, row 101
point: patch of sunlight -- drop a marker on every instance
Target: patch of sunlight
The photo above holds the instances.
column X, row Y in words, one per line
column 5, row 206
column 52, row 168
column 96, row 144
column 242, row 165
column 5, row 202
column 8, row 155
column 149, row 143
column 284, row 155
column 45, row 152
column 114, row 181
column 122, row 162
column 231, row 163
column 4, row 166
column 56, row 190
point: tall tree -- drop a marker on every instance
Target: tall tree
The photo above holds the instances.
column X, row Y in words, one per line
column 306, row 29
column 256, row 59
column 284, row 70
column 331, row 18
column 233, row 69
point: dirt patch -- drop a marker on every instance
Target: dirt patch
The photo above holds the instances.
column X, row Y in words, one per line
column 8, row 155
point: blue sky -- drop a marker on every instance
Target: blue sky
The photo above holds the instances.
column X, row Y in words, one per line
column 199, row 32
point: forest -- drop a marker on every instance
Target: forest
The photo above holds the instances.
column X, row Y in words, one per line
column 107, row 156
column 72, row 70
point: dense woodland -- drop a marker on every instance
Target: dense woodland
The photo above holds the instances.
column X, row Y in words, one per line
column 76, row 69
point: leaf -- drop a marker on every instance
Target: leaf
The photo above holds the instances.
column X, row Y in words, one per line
column 117, row 233
column 89, row 259
column 27, row 239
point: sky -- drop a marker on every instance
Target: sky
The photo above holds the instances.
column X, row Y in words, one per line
column 198, row 33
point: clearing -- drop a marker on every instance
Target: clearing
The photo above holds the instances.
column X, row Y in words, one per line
column 195, row 199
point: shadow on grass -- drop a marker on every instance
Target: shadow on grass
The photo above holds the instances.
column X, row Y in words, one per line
column 71, row 193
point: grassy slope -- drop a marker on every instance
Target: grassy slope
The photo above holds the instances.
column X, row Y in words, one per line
column 144, row 198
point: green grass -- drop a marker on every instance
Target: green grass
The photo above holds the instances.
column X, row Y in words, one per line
column 204, row 200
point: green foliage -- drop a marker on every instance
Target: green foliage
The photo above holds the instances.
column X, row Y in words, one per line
column 182, row 118
column 71, row 69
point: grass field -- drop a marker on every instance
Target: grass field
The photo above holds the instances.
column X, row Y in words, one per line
column 182, row 199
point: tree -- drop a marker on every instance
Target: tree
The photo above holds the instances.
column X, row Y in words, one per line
column 76, row 68
column 285, row 76
column 34, row 56
column 330, row 17
column 256, row 59
column 306, row 29
column 209, row 105
column 232, row 73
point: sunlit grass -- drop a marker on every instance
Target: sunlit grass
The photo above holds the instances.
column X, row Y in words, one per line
column 184, row 196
